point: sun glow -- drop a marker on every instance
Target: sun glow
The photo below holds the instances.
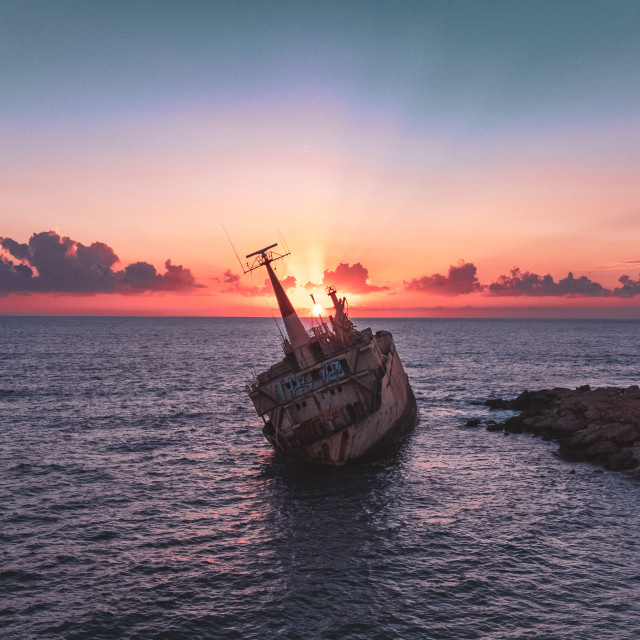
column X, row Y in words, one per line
column 317, row 309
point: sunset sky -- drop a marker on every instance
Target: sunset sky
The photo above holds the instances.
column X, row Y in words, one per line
column 453, row 158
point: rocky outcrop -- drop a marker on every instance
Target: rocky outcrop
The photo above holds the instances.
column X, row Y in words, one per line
column 599, row 425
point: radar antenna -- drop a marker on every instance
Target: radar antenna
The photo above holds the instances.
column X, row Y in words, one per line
column 263, row 256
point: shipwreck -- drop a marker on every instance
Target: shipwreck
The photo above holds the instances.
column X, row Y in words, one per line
column 338, row 393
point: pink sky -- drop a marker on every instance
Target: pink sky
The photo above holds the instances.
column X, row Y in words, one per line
column 453, row 144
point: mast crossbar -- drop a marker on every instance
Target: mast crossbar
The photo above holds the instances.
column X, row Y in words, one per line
column 263, row 256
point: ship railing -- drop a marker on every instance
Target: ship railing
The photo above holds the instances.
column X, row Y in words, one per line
column 252, row 384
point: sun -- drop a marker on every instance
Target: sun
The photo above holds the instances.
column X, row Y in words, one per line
column 317, row 309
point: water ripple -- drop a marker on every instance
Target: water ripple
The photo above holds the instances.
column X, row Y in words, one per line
column 139, row 499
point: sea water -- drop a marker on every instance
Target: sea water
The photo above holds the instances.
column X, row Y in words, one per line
column 139, row 499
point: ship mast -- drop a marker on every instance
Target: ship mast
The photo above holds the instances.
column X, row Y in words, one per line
column 342, row 326
column 298, row 336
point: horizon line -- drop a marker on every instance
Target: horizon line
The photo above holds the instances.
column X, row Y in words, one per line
column 364, row 317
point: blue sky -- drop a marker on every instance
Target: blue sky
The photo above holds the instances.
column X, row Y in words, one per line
column 490, row 63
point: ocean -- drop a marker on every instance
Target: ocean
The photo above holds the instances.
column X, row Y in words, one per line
column 139, row 498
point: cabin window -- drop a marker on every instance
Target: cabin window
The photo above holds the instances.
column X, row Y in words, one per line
column 333, row 392
column 297, row 405
column 332, row 371
column 304, row 403
column 339, row 388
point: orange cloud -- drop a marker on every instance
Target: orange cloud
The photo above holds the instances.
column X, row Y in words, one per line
column 352, row 278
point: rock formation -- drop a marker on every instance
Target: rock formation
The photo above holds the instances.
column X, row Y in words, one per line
column 599, row 425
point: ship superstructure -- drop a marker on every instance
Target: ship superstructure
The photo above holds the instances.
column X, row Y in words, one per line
column 338, row 392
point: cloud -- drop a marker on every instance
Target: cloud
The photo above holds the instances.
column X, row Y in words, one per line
column 230, row 278
column 17, row 250
column 177, row 278
column 50, row 263
column 629, row 287
column 97, row 253
column 288, row 283
column 461, row 279
column 352, row 278
column 232, row 284
column 531, row 284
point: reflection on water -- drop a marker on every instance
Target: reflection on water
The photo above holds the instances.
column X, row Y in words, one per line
column 141, row 500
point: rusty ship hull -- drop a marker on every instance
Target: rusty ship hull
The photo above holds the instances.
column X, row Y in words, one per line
column 338, row 393
column 367, row 404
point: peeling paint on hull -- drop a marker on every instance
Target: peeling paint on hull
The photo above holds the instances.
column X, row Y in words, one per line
column 364, row 444
column 396, row 416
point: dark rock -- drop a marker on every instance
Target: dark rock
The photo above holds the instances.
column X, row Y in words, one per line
column 533, row 400
column 598, row 451
column 620, row 461
column 634, row 473
column 515, row 425
column 472, row 422
column 599, row 425
column 498, row 403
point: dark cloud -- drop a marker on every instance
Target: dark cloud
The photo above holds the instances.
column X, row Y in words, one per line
column 140, row 275
column 629, row 287
column 531, row 284
column 351, row 278
column 461, row 279
column 233, row 284
column 14, row 278
column 97, row 253
column 51, row 263
column 17, row 250
column 176, row 278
